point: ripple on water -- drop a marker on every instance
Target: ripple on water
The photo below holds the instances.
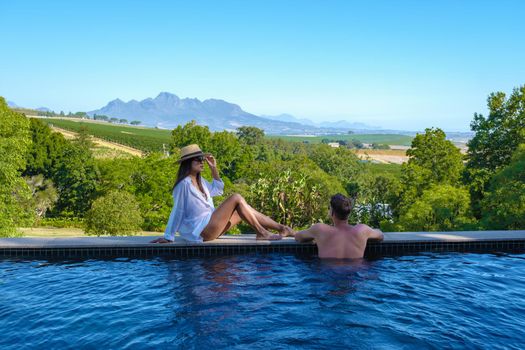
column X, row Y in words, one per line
column 429, row 301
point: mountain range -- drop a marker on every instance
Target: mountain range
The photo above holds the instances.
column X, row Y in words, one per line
column 168, row 110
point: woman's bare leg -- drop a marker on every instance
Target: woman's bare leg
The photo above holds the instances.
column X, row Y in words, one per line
column 221, row 217
column 271, row 224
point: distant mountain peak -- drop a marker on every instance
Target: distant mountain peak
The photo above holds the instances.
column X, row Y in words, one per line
column 167, row 95
column 167, row 110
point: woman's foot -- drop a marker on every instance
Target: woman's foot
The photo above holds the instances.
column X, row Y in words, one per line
column 265, row 235
column 287, row 231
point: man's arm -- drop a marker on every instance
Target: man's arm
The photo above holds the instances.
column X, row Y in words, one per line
column 309, row 234
column 376, row 234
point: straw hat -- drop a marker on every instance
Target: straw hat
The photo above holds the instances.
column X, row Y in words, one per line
column 191, row 151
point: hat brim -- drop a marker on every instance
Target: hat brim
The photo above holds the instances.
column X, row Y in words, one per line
column 193, row 155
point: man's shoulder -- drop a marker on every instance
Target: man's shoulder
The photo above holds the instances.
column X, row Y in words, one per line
column 320, row 227
column 362, row 227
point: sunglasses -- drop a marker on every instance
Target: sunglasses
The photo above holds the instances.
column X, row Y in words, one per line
column 199, row 159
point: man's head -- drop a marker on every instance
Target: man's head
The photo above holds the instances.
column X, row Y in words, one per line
column 341, row 206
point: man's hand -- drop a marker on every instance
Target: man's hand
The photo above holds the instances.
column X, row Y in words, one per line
column 161, row 240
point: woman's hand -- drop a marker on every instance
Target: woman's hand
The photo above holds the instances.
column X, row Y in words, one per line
column 212, row 163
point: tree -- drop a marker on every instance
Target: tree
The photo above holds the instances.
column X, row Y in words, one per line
column 123, row 121
column 434, row 152
column 339, row 162
column 432, row 160
column 76, row 177
column 226, row 148
column 135, row 122
column 15, row 140
column 116, row 213
column 250, row 135
column 84, row 138
column 440, row 208
column 45, row 150
column 44, row 195
column 497, row 138
column 113, row 120
column 503, row 207
column 149, row 179
column 191, row 133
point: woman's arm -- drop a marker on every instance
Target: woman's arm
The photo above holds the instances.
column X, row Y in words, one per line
column 212, row 163
column 216, row 187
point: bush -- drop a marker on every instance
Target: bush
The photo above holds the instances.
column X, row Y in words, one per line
column 62, row 222
column 116, row 213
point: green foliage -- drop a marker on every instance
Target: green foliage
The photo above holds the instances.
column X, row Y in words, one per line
column 191, row 133
column 295, row 192
column 380, row 146
column 62, row 222
column 384, row 169
column 149, row 179
column 45, row 150
column 430, row 197
column 503, row 207
column 497, row 138
column 76, row 177
column 432, row 151
column 44, row 195
column 433, row 160
column 115, row 214
column 226, row 149
column 339, row 162
column 288, row 198
column 250, row 135
column 375, row 200
column 14, row 143
column 440, row 208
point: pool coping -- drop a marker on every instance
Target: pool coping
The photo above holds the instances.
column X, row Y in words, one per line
column 395, row 243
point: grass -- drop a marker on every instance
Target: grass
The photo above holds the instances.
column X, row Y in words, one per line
column 385, row 169
column 67, row 232
column 388, row 139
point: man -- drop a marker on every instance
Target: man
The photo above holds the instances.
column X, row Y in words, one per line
column 342, row 241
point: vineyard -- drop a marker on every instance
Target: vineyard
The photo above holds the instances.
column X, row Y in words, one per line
column 387, row 139
column 144, row 139
column 151, row 140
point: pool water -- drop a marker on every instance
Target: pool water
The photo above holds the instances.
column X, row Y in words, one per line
column 274, row 301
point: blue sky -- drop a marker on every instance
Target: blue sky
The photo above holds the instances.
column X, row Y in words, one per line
column 394, row 64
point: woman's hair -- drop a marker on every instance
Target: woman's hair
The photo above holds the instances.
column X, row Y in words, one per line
column 342, row 206
column 184, row 170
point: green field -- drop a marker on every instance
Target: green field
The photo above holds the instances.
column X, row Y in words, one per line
column 385, row 169
column 151, row 139
column 144, row 139
column 388, row 139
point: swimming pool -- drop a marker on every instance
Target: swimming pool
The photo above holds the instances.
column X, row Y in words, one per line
column 430, row 301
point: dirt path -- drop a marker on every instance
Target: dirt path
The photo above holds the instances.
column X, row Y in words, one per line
column 383, row 156
column 101, row 143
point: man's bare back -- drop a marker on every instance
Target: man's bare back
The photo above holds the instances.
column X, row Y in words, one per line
column 341, row 241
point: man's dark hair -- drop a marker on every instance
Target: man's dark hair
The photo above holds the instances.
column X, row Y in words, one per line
column 341, row 206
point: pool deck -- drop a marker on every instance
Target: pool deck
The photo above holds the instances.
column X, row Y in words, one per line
column 395, row 243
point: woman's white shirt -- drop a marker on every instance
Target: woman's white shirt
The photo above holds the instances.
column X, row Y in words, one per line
column 191, row 210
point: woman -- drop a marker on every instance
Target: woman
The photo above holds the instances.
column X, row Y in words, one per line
column 194, row 215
